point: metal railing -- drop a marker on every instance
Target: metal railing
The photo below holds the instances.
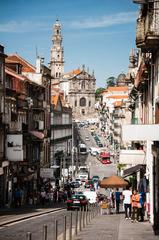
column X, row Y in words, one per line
column 82, row 218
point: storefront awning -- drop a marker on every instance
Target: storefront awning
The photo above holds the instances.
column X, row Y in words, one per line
column 37, row 134
column 132, row 157
column 132, row 170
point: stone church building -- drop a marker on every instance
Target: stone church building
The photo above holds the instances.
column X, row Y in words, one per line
column 78, row 86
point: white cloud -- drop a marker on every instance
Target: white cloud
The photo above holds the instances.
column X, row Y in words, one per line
column 23, row 26
column 105, row 21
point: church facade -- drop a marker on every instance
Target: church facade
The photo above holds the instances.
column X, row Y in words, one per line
column 78, row 86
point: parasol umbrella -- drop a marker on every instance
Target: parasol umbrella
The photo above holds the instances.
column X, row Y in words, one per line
column 113, row 181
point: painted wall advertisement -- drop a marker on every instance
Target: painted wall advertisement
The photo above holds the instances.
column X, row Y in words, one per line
column 14, row 147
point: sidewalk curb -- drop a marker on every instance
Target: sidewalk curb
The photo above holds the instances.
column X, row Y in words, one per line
column 5, row 222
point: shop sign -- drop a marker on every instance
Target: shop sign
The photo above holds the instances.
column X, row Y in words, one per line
column 46, row 172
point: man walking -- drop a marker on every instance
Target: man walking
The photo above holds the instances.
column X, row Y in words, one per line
column 127, row 202
column 117, row 200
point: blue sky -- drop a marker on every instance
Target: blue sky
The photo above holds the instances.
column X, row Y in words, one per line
column 97, row 33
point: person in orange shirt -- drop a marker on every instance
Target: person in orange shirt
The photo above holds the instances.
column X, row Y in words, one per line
column 135, row 199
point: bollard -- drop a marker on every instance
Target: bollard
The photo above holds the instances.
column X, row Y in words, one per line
column 83, row 212
column 86, row 215
column 64, row 230
column 29, row 236
column 89, row 213
column 56, row 229
column 45, row 232
column 70, row 232
column 76, row 226
column 93, row 210
column 80, row 220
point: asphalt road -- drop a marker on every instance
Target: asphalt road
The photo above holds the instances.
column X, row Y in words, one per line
column 96, row 167
column 35, row 225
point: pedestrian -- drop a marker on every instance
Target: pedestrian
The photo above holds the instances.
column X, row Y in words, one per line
column 117, row 200
column 105, row 206
column 43, row 196
column 135, row 198
column 127, row 193
column 141, row 205
column 10, row 198
column 113, row 199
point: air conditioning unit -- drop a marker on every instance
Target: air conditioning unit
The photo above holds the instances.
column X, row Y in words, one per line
column 41, row 125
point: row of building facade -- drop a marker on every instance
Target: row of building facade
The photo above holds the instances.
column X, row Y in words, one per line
column 35, row 127
column 131, row 119
column 38, row 109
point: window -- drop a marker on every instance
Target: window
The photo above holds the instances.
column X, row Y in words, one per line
column 89, row 103
column 83, row 102
column 75, row 103
column 83, row 112
column 83, row 85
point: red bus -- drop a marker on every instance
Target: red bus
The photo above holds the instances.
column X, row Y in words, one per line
column 105, row 157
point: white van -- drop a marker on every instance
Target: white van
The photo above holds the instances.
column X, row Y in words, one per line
column 91, row 196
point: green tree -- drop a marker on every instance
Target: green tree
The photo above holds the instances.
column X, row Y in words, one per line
column 110, row 82
column 120, row 166
column 98, row 93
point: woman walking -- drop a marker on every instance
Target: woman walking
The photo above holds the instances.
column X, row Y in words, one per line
column 135, row 199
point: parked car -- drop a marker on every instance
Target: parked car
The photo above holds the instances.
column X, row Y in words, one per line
column 87, row 138
column 95, row 178
column 77, row 201
column 74, row 184
column 100, row 144
column 78, row 180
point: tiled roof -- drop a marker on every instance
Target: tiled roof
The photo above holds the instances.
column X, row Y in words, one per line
column 15, row 58
column 123, row 88
column 117, row 88
column 14, row 74
column 118, row 96
column 72, row 73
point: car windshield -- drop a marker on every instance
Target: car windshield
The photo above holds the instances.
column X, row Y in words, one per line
column 95, row 177
column 78, row 197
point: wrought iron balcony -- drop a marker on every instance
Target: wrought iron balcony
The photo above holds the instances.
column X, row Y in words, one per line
column 147, row 31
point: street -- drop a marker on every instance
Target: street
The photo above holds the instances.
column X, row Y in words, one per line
column 35, row 225
column 96, row 167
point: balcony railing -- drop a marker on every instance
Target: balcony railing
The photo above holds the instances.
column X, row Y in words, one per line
column 140, row 32
column 15, row 126
column 147, row 31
